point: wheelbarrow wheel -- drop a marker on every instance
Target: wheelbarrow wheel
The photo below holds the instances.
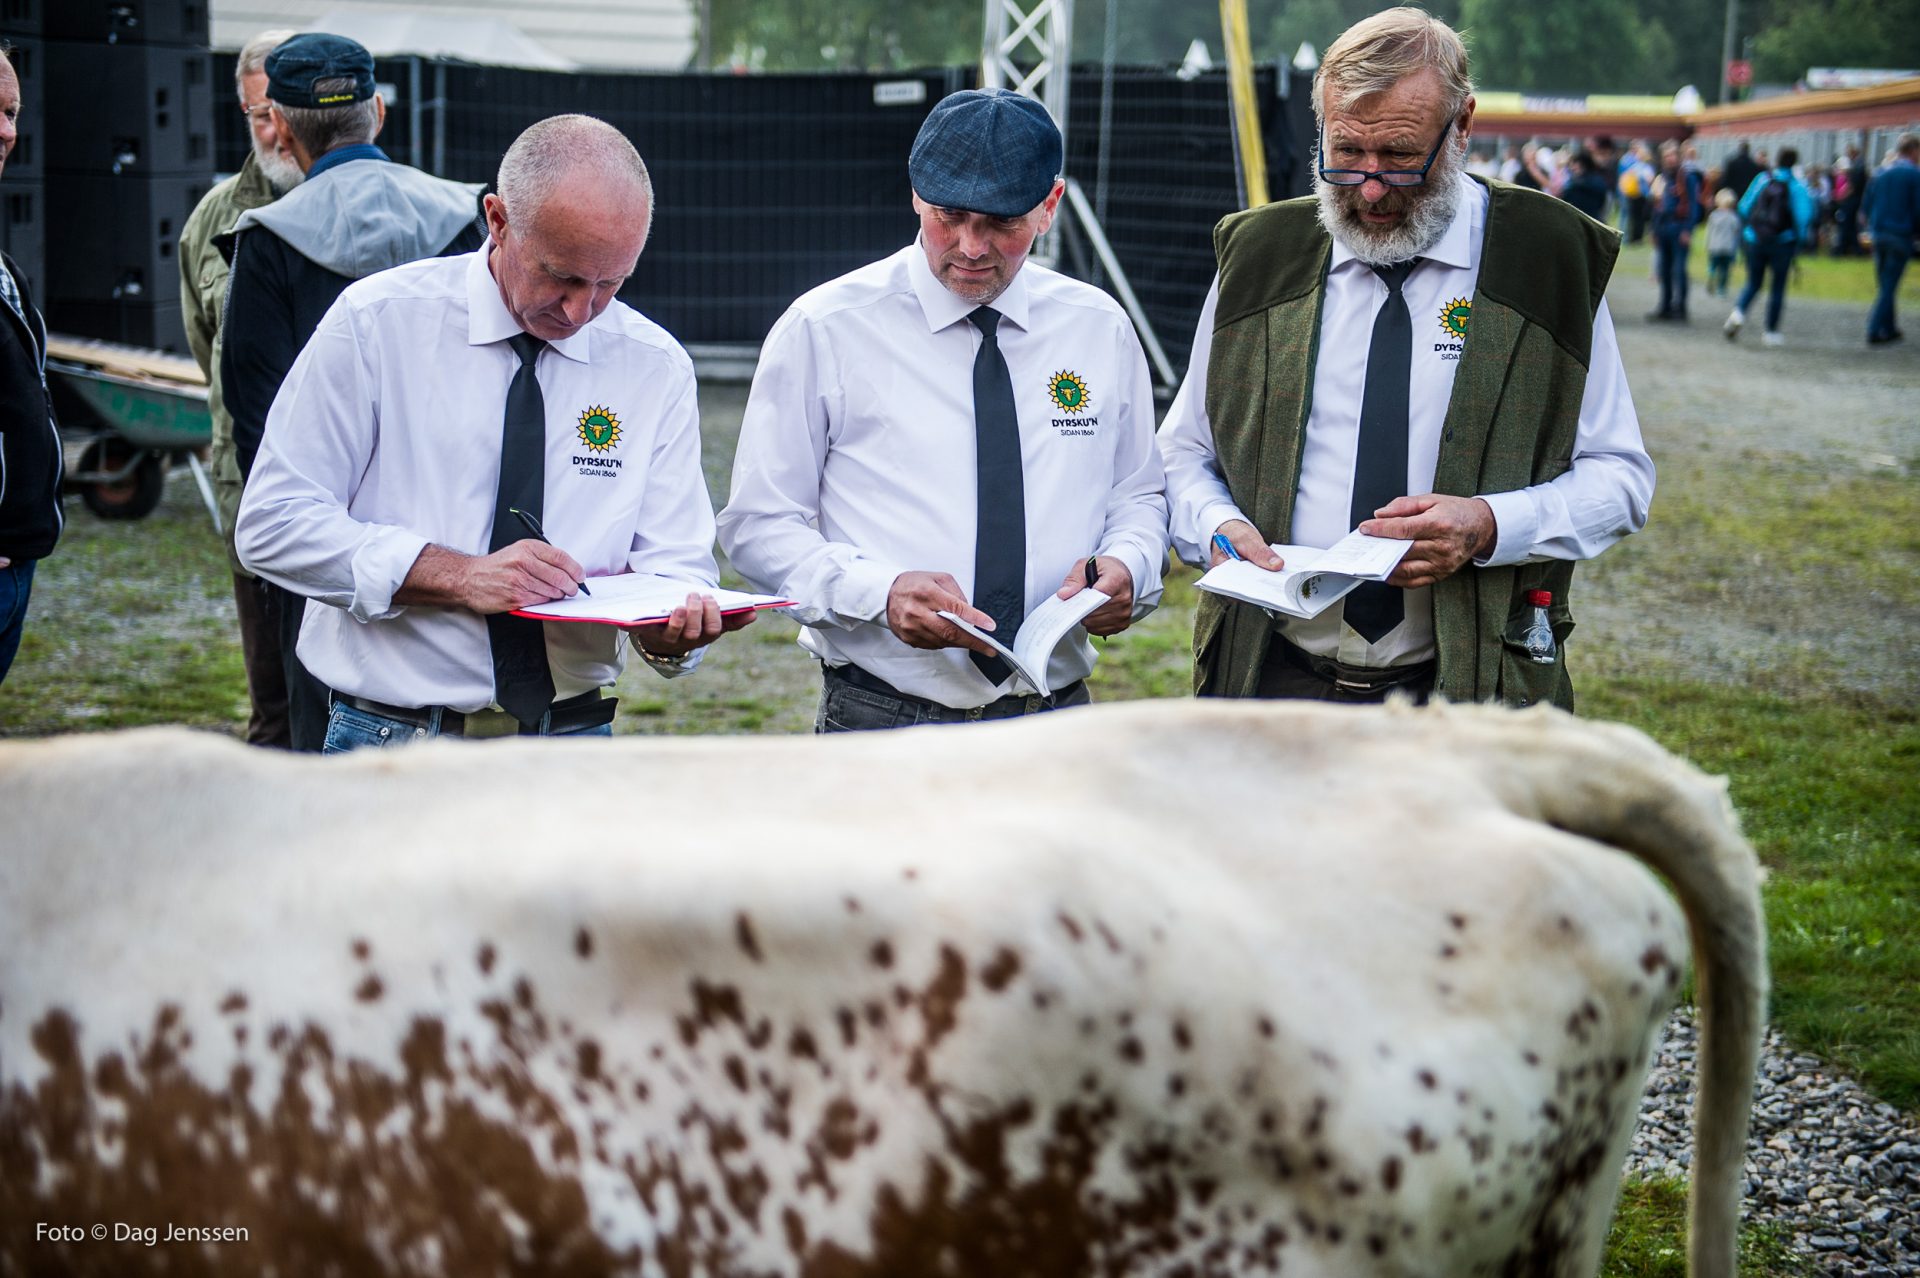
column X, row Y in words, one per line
column 131, row 498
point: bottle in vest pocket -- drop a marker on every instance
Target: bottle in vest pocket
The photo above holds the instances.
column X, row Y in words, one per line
column 1538, row 636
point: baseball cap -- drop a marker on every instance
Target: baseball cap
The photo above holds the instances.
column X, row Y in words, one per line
column 988, row 151
column 312, row 57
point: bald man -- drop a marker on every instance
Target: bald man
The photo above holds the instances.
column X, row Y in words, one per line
column 442, row 412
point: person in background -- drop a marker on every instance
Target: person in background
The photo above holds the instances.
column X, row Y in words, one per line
column 1586, row 187
column 1850, row 190
column 1636, row 184
column 1676, row 211
column 1740, row 170
column 355, row 213
column 30, row 463
column 1778, row 213
column 267, row 173
column 1892, row 209
column 1723, row 242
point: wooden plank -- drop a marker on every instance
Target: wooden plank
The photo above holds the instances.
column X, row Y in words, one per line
column 125, row 361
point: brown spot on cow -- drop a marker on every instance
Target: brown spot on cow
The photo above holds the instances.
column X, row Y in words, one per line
column 583, row 943
column 940, row 1001
column 1130, row 1050
column 1427, row 1079
column 1182, row 1036
column 485, row 958
column 999, row 973
column 743, row 936
column 370, row 989
column 1390, row 1174
column 234, row 1002
column 361, row 949
column 1074, row 932
column 881, row 954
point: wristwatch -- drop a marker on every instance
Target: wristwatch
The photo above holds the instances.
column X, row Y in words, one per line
column 659, row 662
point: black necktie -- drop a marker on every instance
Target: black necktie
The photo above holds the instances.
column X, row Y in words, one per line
column 1380, row 456
column 1000, row 533
column 522, row 683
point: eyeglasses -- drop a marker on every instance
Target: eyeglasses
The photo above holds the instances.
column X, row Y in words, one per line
column 255, row 114
column 1391, row 177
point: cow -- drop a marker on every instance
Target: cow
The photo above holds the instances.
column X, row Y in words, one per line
column 1181, row 988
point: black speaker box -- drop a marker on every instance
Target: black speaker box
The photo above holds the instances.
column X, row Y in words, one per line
column 127, row 21
column 23, row 230
column 117, row 239
column 22, row 17
column 23, row 161
column 129, row 110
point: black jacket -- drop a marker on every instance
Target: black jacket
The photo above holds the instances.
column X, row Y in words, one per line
column 30, row 464
column 277, row 295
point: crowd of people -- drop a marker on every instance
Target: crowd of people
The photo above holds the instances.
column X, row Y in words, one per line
column 936, row 445
column 1756, row 208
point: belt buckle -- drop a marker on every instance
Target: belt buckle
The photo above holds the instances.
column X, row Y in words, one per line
column 483, row 724
column 1350, row 685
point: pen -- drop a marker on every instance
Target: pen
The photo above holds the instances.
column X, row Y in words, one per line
column 1093, row 568
column 533, row 526
column 1225, row 547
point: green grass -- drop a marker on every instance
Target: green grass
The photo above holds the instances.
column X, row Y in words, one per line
column 1815, row 275
column 1649, row 1232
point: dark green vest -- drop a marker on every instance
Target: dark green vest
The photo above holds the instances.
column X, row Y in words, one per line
column 1510, row 422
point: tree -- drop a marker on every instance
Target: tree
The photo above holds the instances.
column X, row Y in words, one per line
column 1568, row 47
column 1798, row 34
column 822, row 35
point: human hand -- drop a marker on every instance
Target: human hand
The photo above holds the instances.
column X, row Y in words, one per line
column 1247, row 540
column 694, row 624
column 1114, row 579
column 1446, row 532
column 914, row 605
column 514, row 576
column 5, row 562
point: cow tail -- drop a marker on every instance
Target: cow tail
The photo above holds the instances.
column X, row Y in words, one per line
column 1610, row 783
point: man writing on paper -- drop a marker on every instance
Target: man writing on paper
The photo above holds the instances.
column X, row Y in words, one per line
column 438, row 398
column 1419, row 354
column 951, row 429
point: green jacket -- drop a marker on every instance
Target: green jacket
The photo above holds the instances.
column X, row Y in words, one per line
column 203, row 293
column 1510, row 421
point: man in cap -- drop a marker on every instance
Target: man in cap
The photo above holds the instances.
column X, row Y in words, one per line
column 951, row 429
column 1420, row 354
column 446, row 411
column 357, row 212
column 268, row 173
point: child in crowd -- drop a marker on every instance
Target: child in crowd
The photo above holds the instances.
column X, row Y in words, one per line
column 1723, row 241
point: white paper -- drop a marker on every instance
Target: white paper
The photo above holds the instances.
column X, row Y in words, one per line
column 1040, row 634
column 1312, row 579
column 631, row 598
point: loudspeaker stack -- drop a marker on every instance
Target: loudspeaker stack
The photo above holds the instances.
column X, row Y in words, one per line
column 126, row 146
column 23, row 190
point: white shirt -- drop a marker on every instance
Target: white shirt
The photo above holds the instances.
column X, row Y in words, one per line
column 856, row 459
column 1601, row 498
column 385, row 437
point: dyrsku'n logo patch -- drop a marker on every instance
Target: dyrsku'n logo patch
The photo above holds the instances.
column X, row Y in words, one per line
column 1069, row 392
column 599, row 429
column 1455, row 314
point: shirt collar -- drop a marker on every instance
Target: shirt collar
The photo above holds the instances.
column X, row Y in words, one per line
column 488, row 319
column 1458, row 246
column 944, row 308
column 358, row 151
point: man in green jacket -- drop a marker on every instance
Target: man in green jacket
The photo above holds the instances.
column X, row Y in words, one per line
column 1418, row 354
column 268, row 173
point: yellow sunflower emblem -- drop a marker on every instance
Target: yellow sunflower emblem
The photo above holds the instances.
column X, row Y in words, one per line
column 1455, row 314
column 1069, row 392
column 599, row 428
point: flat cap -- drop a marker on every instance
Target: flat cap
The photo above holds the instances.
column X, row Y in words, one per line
column 986, row 151
column 312, row 58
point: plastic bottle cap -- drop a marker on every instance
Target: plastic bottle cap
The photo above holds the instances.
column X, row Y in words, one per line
column 1540, row 598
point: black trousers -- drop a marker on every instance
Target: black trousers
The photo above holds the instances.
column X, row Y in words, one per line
column 306, row 695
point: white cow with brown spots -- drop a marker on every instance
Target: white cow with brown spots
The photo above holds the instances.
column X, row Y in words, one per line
column 1175, row 988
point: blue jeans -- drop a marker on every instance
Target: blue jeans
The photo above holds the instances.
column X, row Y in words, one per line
column 1670, row 261
column 1890, row 254
column 351, row 728
column 16, row 583
column 1778, row 258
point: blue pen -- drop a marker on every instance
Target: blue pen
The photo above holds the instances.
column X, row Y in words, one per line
column 1225, row 547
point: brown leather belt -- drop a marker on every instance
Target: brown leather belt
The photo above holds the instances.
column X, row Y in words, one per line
column 1361, row 679
column 588, row 710
column 1005, row 707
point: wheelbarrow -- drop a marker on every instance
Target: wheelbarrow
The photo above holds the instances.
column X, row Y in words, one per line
column 127, row 417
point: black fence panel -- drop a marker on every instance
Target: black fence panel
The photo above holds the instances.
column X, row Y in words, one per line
column 770, row 184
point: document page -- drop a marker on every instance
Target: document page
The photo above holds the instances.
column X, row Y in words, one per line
column 1040, row 634
column 631, row 598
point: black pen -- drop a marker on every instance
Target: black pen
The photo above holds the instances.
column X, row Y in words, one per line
column 1093, row 568
column 533, row 526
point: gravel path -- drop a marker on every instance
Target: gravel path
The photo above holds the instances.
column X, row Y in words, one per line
column 1836, row 1168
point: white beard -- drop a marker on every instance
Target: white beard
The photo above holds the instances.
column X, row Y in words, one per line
column 278, row 168
column 1429, row 213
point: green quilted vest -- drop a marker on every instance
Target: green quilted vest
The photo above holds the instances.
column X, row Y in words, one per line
column 1510, row 422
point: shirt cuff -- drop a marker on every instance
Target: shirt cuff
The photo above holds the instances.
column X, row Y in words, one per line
column 867, row 584
column 380, row 568
column 1516, row 526
column 1147, row 584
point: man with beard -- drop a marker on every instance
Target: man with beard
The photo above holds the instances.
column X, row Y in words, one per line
column 268, row 173
column 1419, row 354
column 951, row 429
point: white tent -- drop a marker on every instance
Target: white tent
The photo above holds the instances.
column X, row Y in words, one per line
column 487, row 41
column 653, row 35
